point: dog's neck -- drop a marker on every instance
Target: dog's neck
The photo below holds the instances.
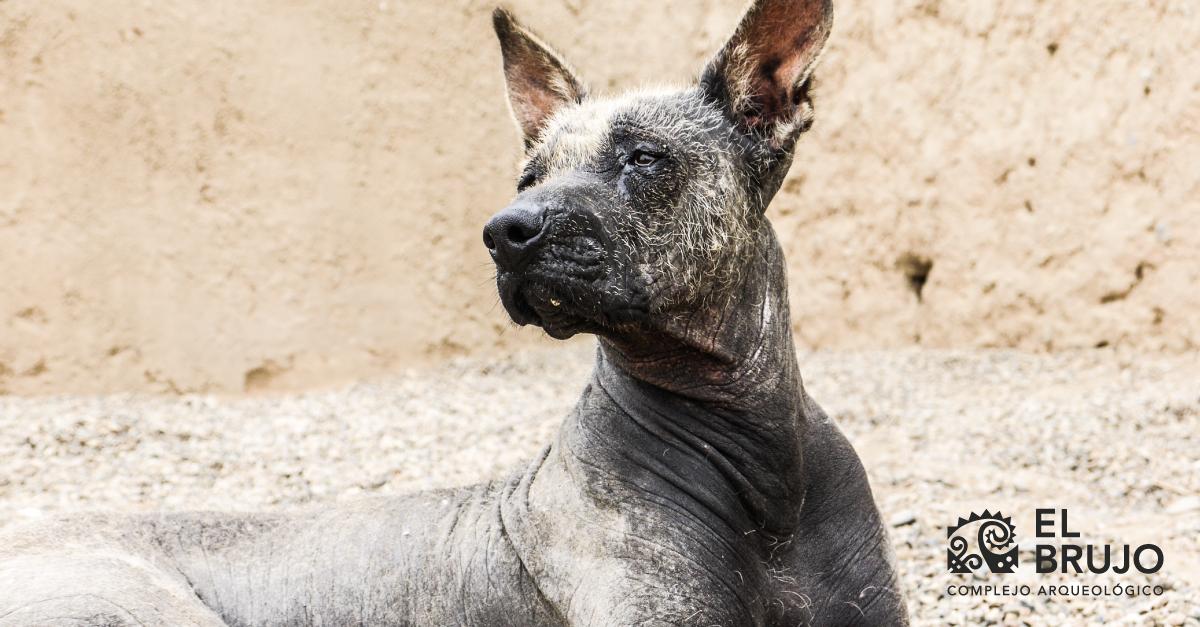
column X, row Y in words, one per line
column 725, row 384
column 735, row 351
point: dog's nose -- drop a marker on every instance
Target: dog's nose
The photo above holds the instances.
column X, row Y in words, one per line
column 513, row 234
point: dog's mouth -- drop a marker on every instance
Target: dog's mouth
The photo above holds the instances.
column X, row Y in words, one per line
column 566, row 306
column 569, row 287
column 549, row 304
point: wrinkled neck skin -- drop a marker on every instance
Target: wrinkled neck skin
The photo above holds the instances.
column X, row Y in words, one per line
column 723, row 380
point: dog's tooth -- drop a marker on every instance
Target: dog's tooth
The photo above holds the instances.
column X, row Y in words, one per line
column 554, row 302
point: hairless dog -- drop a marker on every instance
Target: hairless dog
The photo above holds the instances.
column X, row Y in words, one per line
column 694, row 483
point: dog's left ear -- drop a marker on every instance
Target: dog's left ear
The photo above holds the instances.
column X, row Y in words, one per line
column 761, row 77
column 539, row 80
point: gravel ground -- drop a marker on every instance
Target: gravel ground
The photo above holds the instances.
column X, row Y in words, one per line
column 1113, row 437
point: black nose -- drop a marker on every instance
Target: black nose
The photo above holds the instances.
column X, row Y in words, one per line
column 513, row 234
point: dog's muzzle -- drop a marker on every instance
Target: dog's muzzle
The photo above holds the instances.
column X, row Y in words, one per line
column 550, row 266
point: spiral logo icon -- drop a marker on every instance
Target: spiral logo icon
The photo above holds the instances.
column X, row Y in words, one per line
column 994, row 541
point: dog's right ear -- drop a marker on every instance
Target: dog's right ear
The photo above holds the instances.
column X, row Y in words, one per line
column 539, row 81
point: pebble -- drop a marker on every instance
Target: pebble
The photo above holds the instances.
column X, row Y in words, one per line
column 1184, row 505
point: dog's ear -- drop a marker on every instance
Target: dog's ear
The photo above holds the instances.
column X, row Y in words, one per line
column 761, row 77
column 539, row 81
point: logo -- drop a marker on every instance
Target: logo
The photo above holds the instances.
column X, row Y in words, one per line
column 993, row 536
column 995, row 544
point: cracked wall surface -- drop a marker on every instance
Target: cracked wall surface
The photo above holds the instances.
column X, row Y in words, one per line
column 226, row 196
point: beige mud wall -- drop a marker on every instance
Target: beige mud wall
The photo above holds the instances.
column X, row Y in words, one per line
column 218, row 196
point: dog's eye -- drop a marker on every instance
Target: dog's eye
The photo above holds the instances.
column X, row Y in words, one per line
column 643, row 159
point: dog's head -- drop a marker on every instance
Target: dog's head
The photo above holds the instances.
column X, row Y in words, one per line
column 649, row 204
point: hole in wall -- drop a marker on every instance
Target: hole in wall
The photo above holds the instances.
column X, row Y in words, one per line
column 916, row 269
column 265, row 376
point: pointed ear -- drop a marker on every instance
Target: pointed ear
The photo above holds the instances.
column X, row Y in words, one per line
column 539, row 81
column 761, row 77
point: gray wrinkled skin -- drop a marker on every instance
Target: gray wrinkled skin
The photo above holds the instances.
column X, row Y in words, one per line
column 695, row 483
